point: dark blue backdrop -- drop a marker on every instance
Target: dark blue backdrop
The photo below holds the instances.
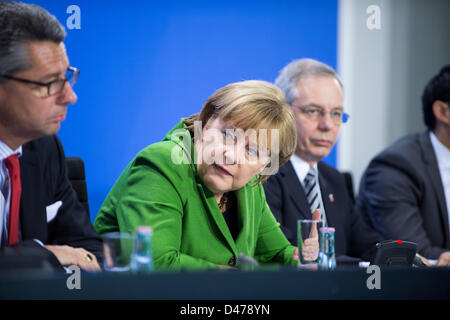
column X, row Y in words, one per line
column 146, row 64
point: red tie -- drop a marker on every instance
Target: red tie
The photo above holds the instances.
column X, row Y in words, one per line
column 12, row 164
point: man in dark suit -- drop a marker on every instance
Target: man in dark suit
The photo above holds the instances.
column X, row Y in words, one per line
column 305, row 183
column 38, row 207
column 405, row 191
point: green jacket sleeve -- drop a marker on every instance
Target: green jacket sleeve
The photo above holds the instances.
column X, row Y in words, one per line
column 134, row 201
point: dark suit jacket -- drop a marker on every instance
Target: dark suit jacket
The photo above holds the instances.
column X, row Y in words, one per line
column 287, row 200
column 44, row 182
column 402, row 196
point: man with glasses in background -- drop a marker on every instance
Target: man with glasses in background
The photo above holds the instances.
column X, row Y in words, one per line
column 39, row 210
column 305, row 183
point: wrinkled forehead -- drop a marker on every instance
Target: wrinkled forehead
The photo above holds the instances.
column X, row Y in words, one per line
column 47, row 57
column 323, row 91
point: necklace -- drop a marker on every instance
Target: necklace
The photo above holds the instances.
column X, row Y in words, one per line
column 223, row 202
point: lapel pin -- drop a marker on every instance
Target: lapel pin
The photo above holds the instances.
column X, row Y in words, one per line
column 331, row 197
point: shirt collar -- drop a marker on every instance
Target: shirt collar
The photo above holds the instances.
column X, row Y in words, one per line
column 301, row 167
column 442, row 152
column 6, row 151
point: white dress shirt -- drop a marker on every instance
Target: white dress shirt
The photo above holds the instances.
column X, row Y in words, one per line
column 5, row 188
column 301, row 168
column 443, row 159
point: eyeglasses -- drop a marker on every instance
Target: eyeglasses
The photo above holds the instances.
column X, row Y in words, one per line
column 47, row 89
column 315, row 113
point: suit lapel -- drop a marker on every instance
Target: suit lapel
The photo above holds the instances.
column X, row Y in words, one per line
column 433, row 170
column 210, row 204
column 243, row 210
column 295, row 190
column 32, row 211
column 328, row 197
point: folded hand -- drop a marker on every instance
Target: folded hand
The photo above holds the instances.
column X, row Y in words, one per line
column 75, row 256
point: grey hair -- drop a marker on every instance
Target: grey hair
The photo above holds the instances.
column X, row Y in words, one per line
column 21, row 23
column 299, row 69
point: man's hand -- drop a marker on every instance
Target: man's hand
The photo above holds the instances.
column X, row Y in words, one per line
column 424, row 260
column 310, row 250
column 75, row 256
column 444, row 259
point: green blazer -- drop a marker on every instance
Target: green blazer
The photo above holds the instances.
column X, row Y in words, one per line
column 161, row 188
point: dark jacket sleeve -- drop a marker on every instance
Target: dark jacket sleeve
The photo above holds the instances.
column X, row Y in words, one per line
column 274, row 197
column 390, row 197
column 72, row 225
column 360, row 237
column 363, row 238
column 28, row 255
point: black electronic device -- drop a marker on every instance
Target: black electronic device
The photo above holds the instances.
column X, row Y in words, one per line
column 395, row 253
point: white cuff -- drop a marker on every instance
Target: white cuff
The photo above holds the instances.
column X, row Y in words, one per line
column 39, row 242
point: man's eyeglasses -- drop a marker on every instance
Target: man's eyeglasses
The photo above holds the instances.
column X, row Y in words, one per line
column 315, row 113
column 47, row 89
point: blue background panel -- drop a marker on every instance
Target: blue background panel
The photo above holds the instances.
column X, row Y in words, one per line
column 146, row 64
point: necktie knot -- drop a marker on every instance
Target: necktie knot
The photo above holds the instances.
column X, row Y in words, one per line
column 310, row 177
column 311, row 190
column 12, row 164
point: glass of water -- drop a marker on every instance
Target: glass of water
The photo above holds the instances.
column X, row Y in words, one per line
column 308, row 242
column 118, row 248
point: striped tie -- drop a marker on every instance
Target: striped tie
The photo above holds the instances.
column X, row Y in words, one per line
column 311, row 191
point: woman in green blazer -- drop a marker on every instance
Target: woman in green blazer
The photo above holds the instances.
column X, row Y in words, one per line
column 200, row 188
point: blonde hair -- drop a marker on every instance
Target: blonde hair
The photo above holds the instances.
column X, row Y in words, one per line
column 252, row 104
